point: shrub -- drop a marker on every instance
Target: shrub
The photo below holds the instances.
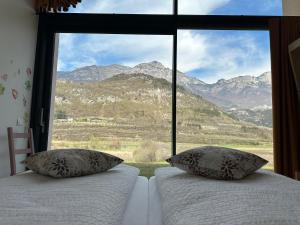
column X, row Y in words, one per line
column 150, row 151
column 60, row 114
column 162, row 154
column 146, row 152
column 115, row 143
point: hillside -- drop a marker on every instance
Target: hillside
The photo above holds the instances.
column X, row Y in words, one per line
column 138, row 107
column 239, row 96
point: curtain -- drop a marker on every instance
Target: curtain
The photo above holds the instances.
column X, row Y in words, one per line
column 286, row 104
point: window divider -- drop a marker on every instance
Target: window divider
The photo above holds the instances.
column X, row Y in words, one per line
column 174, row 93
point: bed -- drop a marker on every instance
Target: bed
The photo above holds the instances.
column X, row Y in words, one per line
column 136, row 212
column 264, row 198
column 172, row 197
column 155, row 210
column 109, row 198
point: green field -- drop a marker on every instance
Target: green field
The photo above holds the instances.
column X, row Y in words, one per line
column 147, row 155
column 130, row 116
column 147, row 169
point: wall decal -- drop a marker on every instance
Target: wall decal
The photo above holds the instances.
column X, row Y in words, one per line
column 2, row 89
column 28, row 71
column 14, row 93
column 19, row 71
column 24, row 101
column 3, row 77
column 28, row 85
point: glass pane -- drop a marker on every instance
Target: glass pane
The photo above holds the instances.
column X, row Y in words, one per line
column 113, row 94
column 125, row 6
column 224, row 95
column 230, row 7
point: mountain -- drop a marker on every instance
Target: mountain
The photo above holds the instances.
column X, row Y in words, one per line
column 93, row 73
column 140, row 106
column 243, row 92
column 99, row 73
column 237, row 96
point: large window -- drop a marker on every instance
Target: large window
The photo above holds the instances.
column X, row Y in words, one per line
column 115, row 88
column 224, row 94
column 114, row 94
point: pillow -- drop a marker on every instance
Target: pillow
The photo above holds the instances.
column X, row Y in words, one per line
column 217, row 162
column 71, row 162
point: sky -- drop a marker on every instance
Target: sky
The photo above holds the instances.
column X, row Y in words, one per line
column 207, row 55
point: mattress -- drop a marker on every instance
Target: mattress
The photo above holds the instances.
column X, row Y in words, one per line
column 155, row 210
column 264, row 198
column 99, row 199
column 136, row 212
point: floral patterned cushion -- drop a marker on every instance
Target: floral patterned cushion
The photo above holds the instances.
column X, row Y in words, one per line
column 71, row 162
column 217, row 162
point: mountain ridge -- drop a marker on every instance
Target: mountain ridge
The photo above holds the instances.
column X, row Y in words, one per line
column 148, row 68
column 241, row 95
column 146, row 111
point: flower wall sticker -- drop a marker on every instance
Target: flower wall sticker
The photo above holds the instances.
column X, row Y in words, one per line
column 24, row 101
column 3, row 77
column 28, row 72
column 27, row 85
column 14, row 93
column 2, row 89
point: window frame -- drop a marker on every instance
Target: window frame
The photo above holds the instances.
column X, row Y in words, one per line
column 152, row 24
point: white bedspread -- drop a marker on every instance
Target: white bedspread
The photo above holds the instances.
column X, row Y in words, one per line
column 99, row 199
column 260, row 199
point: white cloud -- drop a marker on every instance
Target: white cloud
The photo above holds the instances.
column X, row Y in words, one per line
column 105, row 49
column 192, row 50
column 65, row 50
column 269, row 5
column 200, row 7
column 70, row 54
column 125, row 6
column 221, row 56
column 133, row 49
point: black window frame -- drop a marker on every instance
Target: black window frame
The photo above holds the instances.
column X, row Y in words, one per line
column 147, row 24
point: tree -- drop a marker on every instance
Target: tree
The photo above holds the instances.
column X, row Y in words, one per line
column 60, row 114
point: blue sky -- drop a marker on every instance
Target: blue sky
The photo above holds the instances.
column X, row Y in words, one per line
column 208, row 55
column 204, row 7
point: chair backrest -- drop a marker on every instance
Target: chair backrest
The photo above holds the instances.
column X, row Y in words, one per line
column 12, row 149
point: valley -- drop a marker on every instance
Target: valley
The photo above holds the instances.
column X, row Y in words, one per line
column 130, row 114
column 247, row 98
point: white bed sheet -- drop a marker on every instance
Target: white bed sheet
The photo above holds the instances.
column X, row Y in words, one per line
column 136, row 212
column 99, row 199
column 263, row 198
column 155, row 209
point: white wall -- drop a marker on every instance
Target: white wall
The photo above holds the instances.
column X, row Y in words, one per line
column 18, row 31
column 291, row 7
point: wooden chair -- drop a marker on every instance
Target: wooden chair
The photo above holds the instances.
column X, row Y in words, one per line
column 13, row 151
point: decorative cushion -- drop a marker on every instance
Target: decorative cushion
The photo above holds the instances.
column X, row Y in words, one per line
column 217, row 162
column 71, row 162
